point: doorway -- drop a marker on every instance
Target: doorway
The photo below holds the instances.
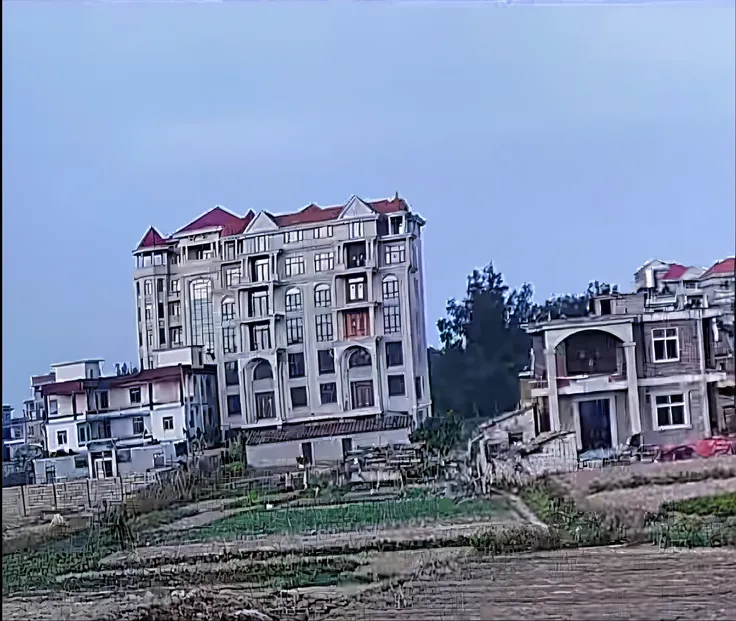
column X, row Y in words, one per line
column 595, row 424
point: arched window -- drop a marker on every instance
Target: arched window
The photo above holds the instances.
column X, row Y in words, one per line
column 359, row 358
column 322, row 296
column 262, row 371
column 390, row 287
column 227, row 309
column 293, row 300
column 202, row 323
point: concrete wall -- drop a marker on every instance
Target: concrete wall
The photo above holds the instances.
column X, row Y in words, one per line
column 695, row 423
column 690, row 349
column 28, row 500
column 325, row 450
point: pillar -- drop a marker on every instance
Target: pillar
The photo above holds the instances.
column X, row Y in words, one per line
column 554, row 400
column 632, row 387
column 703, row 384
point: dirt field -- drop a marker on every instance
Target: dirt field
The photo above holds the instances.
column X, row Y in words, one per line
column 602, row 583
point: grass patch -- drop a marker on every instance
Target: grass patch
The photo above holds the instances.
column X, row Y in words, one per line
column 347, row 517
column 722, row 505
column 661, row 478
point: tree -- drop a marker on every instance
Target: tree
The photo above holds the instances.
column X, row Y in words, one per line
column 484, row 345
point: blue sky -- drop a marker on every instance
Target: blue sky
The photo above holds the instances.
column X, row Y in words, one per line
column 564, row 144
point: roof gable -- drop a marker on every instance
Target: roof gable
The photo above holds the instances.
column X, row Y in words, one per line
column 262, row 223
column 356, row 208
column 150, row 239
column 311, row 214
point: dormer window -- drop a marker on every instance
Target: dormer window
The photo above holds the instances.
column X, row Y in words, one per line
column 396, row 225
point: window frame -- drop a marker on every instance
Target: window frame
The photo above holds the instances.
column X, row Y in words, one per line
column 294, row 237
column 322, row 370
column 135, row 390
column 390, row 287
column 232, row 399
column 324, row 328
column 227, row 310
column 359, row 286
column 62, row 433
column 229, row 339
column 261, row 398
column 296, row 363
column 683, row 396
column 392, row 319
column 394, row 253
column 327, row 230
column 402, row 381
column 233, row 275
column 294, row 330
column 324, row 261
column 293, row 300
column 665, row 338
column 143, row 425
column 323, row 391
column 294, row 265
column 323, row 295
column 301, row 390
column 231, row 370
column 399, row 346
column 167, row 423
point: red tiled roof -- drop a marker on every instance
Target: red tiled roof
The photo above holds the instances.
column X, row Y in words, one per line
column 215, row 217
column 40, row 380
column 675, row 272
column 151, row 238
column 724, row 268
column 234, row 225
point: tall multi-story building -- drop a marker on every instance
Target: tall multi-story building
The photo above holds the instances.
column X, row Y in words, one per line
column 15, row 431
column 311, row 317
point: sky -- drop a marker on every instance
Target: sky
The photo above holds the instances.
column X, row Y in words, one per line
column 563, row 144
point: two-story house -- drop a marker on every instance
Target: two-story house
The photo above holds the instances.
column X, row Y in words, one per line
column 628, row 368
column 127, row 422
column 315, row 320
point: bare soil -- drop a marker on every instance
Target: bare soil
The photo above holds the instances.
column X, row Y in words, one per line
column 603, row 583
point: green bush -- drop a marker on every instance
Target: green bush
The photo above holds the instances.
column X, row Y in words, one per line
column 723, row 505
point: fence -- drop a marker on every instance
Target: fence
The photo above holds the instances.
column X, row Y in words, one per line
column 81, row 495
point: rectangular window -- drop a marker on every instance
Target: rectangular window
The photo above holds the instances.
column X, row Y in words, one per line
column 102, row 400
column 307, row 454
column 260, row 338
column 324, row 327
column 395, row 253
column 229, row 340
column 391, row 320
column 232, row 276
column 261, row 271
column 265, row 405
column 326, row 361
column 135, row 395
column 53, row 407
column 665, row 344
column 228, row 311
column 356, row 289
column 231, row 373
column 83, row 435
column 293, row 237
column 259, row 304
column 355, row 230
column 328, row 393
column 174, row 287
column 149, row 312
column 175, row 336
column 160, row 313
column 294, row 265
column 397, row 225
column 362, row 394
column 324, row 261
column 293, row 300
column 229, row 250
column 160, row 285
column 294, row 330
column 61, row 437
column 168, row 423
column 138, row 427
column 162, row 336
column 298, row 397
column 419, row 385
column 396, row 385
column 148, row 288
column 149, row 337
column 260, row 243
column 322, row 232
column 233, row 405
column 175, row 309
column 670, row 410
column 394, row 354
column 296, row 365
column 322, row 296
column 356, row 324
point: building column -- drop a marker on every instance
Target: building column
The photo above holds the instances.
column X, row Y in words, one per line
column 554, row 400
column 703, row 383
column 632, row 387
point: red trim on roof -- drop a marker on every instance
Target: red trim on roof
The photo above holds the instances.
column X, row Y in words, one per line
column 675, row 272
column 725, row 267
column 215, row 217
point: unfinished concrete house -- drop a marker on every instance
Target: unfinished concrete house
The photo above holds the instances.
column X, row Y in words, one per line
column 631, row 367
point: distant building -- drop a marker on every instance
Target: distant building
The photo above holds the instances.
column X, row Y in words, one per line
column 15, row 432
column 315, row 321
column 104, row 425
column 656, row 362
